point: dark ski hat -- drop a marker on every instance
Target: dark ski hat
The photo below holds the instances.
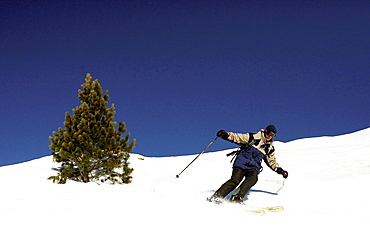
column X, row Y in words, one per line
column 271, row 128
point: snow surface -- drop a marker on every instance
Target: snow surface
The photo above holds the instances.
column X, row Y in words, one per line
column 326, row 201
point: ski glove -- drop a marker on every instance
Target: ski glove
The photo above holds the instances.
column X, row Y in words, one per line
column 282, row 172
column 222, row 134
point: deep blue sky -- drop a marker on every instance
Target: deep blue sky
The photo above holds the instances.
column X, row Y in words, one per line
column 178, row 71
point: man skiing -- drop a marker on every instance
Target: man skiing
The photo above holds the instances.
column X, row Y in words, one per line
column 254, row 147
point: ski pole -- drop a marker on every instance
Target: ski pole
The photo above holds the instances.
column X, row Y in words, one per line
column 177, row 176
column 281, row 186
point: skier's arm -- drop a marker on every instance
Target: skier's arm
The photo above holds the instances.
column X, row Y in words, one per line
column 270, row 161
column 238, row 138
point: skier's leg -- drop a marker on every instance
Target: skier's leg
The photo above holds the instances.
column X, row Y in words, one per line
column 251, row 178
column 228, row 186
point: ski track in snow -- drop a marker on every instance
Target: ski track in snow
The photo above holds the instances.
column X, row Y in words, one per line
column 325, row 199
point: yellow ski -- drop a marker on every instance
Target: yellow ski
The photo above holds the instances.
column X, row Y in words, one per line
column 259, row 212
column 274, row 209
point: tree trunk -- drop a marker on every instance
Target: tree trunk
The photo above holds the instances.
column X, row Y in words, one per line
column 85, row 178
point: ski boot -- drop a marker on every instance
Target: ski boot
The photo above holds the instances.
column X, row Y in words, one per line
column 236, row 199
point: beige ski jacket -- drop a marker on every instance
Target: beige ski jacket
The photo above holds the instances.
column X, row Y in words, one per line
column 258, row 141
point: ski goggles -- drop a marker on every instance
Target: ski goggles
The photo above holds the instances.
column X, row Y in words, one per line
column 270, row 133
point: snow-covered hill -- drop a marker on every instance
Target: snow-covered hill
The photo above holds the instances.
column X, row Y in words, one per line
column 326, row 201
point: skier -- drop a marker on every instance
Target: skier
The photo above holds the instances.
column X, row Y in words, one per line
column 254, row 147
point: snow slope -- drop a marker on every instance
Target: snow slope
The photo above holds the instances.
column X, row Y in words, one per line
column 326, row 201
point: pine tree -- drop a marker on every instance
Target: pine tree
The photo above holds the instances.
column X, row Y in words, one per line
column 89, row 147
